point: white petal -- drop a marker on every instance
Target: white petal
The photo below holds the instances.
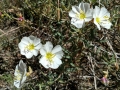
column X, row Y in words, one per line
column 36, row 41
column 21, row 46
column 22, row 67
column 77, row 23
column 25, row 40
column 88, row 19
column 17, row 84
column 56, row 63
column 22, row 64
column 31, row 41
column 35, row 52
column 20, row 83
column 75, row 9
column 56, row 49
column 22, row 52
column 106, row 25
column 48, row 46
column 44, row 62
column 59, row 54
column 96, row 12
column 29, row 55
column 103, row 12
column 72, row 14
column 86, row 7
column 42, row 52
column 23, row 79
column 16, row 70
column 32, row 37
column 81, row 6
column 38, row 46
column 89, row 15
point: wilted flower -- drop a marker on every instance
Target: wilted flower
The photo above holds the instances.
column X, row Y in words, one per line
column 51, row 57
column 101, row 17
column 81, row 14
column 30, row 46
column 105, row 81
column 20, row 18
column 20, row 74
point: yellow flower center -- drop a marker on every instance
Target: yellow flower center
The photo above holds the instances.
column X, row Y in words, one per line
column 81, row 15
column 98, row 20
column 30, row 47
column 49, row 56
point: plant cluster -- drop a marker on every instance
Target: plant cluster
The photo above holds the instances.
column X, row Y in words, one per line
column 53, row 45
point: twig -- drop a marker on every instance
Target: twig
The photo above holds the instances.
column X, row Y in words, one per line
column 2, row 31
column 109, row 44
column 93, row 70
column 9, row 31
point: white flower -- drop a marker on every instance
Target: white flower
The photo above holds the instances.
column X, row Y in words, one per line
column 51, row 57
column 30, row 46
column 20, row 74
column 101, row 17
column 81, row 14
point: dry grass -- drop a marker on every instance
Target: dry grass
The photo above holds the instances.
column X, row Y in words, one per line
column 87, row 51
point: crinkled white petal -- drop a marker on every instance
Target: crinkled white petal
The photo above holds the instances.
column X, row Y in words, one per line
column 42, row 51
column 21, row 46
column 38, row 46
column 31, row 41
column 56, row 49
column 88, row 19
column 25, row 40
column 36, row 41
column 23, row 79
column 22, row 52
column 35, row 52
column 59, row 54
column 86, row 7
column 75, row 9
column 44, row 62
column 56, row 63
column 89, row 15
column 96, row 12
column 81, row 6
column 22, row 67
column 72, row 14
column 106, row 25
column 20, row 83
column 103, row 12
column 29, row 55
column 32, row 37
column 77, row 23
column 17, row 84
column 48, row 46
